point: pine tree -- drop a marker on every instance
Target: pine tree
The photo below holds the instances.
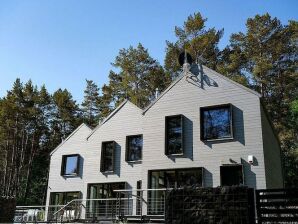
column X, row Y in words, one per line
column 267, row 56
column 138, row 78
column 91, row 104
column 193, row 37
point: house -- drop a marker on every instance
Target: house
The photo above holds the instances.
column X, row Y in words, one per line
column 204, row 130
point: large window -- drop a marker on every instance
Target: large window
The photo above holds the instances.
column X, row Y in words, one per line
column 134, row 146
column 70, row 165
column 107, row 156
column 174, row 135
column 105, row 190
column 61, row 198
column 231, row 175
column 174, row 178
column 100, row 208
column 216, row 122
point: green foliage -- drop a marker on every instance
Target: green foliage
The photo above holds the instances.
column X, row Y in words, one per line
column 137, row 80
column 91, row 104
column 195, row 39
column 33, row 122
column 266, row 55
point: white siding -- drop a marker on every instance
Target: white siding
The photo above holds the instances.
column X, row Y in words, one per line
column 184, row 97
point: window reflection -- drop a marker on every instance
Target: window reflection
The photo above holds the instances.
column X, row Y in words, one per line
column 216, row 123
column 134, row 147
column 107, row 160
column 174, row 135
column 70, row 165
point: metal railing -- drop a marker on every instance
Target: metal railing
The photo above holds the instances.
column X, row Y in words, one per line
column 33, row 214
column 128, row 203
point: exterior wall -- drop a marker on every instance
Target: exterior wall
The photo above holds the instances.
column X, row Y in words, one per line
column 76, row 144
column 127, row 121
column 272, row 154
column 186, row 98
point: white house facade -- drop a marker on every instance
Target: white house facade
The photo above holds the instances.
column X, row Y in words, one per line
column 204, row 130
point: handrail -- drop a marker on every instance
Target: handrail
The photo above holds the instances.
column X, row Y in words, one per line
column 97, row 199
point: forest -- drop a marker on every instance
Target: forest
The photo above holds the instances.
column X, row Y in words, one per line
column 33, row 122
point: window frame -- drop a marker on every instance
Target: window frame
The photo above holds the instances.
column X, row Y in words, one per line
column 64, row 195
column 214, row 107
column 166, row 135
column 63, row 165
column 176, row 170
column 102, row 160
column 127, row 148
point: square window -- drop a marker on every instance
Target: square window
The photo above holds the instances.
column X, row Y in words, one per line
column 216, row 122
column 107, row 156
column 134, row 147
column 174, row 135
column 70, row 165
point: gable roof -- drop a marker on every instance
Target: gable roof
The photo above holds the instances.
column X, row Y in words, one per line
column 204, row 68
column 233, row 82
column 112, row 114
column 164, row 92
column 69, row 136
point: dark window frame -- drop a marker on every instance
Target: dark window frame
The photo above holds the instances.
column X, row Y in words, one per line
column 231, row 165
column 63, row 165
column 176, row 173
column 64, row 193
column 102, row 161
column 139, row 197
column 127, row 150
column 181, row 116
column 214, row 107
column 107, row 183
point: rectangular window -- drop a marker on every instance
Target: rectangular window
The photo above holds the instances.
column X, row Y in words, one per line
column 107, row 156
column 173, row 178
column 134, row 147
column 216, row 122
column 61, row 198
column 102, row 208
column 174, row 135
column 231, row 175
column 70, row 165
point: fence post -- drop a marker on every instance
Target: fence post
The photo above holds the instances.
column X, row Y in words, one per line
column 259, row 217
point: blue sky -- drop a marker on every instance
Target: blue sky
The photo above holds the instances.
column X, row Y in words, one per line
column 60, row 43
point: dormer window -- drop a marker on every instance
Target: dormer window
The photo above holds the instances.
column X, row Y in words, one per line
column 134, row 147
column 107, row 156
column 174, row 135
column 216, row 122
column 70, row 165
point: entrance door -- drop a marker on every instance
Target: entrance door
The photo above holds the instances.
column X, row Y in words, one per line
column 231, row 175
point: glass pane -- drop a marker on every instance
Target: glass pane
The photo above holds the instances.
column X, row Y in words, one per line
column 56, row 199
column 108, row 156
column 135, row 145
column 71, row 196
column 217, row 123
column 192, row 177
column 71, row 165
column 174, row 135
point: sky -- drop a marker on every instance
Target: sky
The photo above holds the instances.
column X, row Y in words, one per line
column 61, row 43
